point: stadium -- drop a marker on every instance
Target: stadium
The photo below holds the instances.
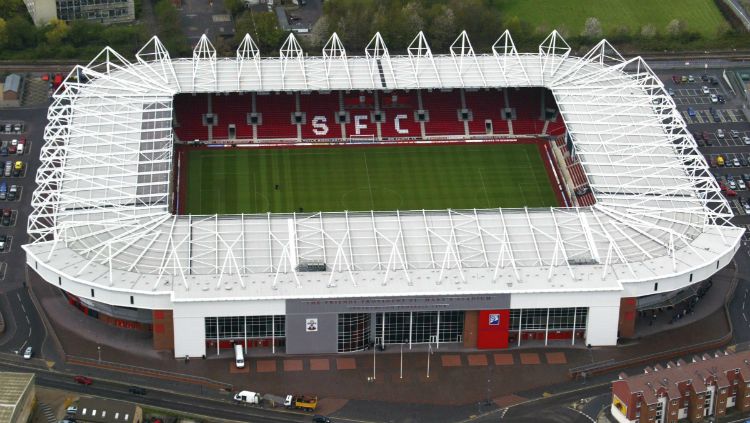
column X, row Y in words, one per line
column 326, row 204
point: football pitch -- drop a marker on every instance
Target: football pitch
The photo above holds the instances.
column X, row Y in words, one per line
column 254, row 180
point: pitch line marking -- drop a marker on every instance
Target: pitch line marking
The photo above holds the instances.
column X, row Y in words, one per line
column 484, row 188
column 369, row 186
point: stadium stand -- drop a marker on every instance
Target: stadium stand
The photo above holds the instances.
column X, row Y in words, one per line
column 531, row 106
column 276, row 115
column 398, row 103
column 527, row 102
column 443, row 107
column 486, row 105
column 232, row 109
column 188, row 111
column 321, row 105
column 577, row 174
column 556, row 125
column 360, row 105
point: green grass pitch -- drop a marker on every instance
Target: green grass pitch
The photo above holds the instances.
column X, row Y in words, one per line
column 244, row 180
column 699, row 15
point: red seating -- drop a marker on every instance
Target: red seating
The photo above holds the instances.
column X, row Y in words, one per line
column 395, row 105
column 232, row 109
column 320, row 110
column 556, row 125
column 276, row 111
column 189, row 110
column 486, row 105
column 398, row 106
column 528, row 105
column 443, row 110
column 359, row 105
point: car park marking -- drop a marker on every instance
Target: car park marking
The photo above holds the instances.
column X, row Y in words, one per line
column 3, row 269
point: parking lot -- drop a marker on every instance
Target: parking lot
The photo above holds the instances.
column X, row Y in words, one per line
column 716, row 120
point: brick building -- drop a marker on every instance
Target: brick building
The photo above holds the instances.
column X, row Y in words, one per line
column 707, row 386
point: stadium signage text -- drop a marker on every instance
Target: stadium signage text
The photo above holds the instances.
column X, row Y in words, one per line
column 320, row 124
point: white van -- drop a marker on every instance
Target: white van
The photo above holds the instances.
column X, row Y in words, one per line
column 239, row 356
column 248, row 397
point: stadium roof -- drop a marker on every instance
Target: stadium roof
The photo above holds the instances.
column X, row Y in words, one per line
column 101, row 213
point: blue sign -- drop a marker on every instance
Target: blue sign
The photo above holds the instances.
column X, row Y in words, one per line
column 494, row 319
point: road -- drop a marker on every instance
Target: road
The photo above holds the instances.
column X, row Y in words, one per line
column 157, row 398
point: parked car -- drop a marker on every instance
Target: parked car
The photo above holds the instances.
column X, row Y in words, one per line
column 17, row 168
column 83, row 380
column 670, row 91
column 746, row 206
column 7, row 214
column 320, row 419
column 17, row 127
column 720, row 133
column 721, row 99
column 704, row 77
column 683, row 78
column 691, row 112
column 732, row 185
column 742, row 161
column 8, row 169
column 137, row 390
column 741, row 184
column 676, row 79
column 28, row 352
column 12, row 192
column 714, row 99
column 691, row 78
column 705, row 90
column 746, row 177
column 736, row 162
column 73, row 409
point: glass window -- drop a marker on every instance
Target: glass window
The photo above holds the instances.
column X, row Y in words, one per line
column 353, row 331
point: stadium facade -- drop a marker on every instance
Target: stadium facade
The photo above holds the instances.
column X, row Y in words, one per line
column 105, row 232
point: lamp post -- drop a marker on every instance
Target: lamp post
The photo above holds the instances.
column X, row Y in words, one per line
column 99, row 351
column 429, row 353
column 374, row 348
column 401, row 370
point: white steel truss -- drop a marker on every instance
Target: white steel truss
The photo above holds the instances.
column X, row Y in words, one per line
column 101, row 209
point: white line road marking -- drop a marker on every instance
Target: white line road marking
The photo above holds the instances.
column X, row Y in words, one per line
column 744, row 316
column 23, row 308
column 29, row 322
column 22, row 346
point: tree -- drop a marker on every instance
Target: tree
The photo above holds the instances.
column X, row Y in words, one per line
column 21, row 32
column 675, row 28
column 12, row 8
column 234, row 7
column 442, row 31
column 56, row 32
column 320, row 33
column 263, row 28
column 3, row 33
column 648, row 31
column 592, row 28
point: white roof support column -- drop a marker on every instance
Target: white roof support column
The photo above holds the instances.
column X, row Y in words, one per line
column 204, row 65
column 292, row 52
column 248, row 52
column 463, row 57
column 334, row 54
column 507, row 57
column 155, row 57
column 377, row 53
column 419, row 51
column 552, row 52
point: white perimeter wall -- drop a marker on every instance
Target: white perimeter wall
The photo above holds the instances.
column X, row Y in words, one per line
column 189, row 323
column 603, row 317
